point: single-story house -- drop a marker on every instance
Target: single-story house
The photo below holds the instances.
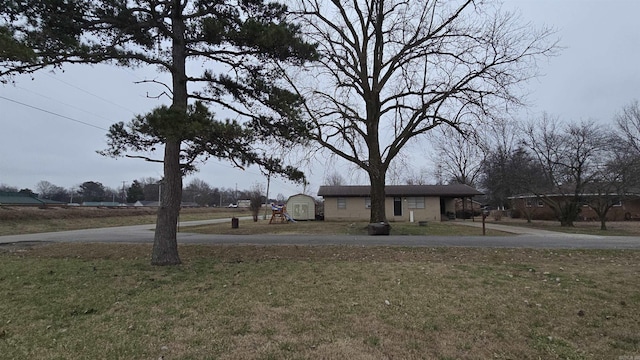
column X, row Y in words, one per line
column 625, row 207
column 402, row 203
column 301, row 207
column 246, row 203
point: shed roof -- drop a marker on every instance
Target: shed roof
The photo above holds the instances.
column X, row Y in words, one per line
column 300, row 195
column 456, row 190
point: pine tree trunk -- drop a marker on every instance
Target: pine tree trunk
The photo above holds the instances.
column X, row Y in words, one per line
column 165, row 243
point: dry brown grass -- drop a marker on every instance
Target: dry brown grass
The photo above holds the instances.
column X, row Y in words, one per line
column 71, row 212
column 29, row 220
column 88, row 301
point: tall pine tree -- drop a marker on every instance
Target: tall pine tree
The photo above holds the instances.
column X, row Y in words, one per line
column 242, row 39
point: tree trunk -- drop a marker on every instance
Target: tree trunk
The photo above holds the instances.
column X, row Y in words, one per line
column 378, row 211
column 165, row 243
column 568, row 213
column 528, row 215
column 602, row 215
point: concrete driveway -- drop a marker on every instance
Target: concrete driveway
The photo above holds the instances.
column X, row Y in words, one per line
column 522, row 238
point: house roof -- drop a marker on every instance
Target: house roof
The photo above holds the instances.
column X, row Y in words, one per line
column 16, row 198
column 457, row 190
column 550, row 195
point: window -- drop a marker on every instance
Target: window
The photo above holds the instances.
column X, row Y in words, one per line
column 528, row 202
column 415, row 202
column 367, row 203
column 617, row 203
column 540, row 203
column 342, row 203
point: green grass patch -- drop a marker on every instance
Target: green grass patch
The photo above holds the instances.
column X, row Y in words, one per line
column 88, row 301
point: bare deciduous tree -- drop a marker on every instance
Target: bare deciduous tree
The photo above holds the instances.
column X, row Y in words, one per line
column 197, row 191
column 334, row 179
column 256, row 199
column 459, row 156
column 391, row 71
column 569, row 156
column 628, row 123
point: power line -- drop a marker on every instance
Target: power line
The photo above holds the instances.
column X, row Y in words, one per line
column 65, row 104
column 53, row 113
column 90, row 93
column 281, row 182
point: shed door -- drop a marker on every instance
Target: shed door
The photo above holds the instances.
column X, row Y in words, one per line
column 301, row 211
column 397, row 206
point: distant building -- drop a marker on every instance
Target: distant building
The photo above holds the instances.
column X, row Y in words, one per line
column 144, row 203
column 22, row 199
column 244, row 203
column 402, row 203
column 102, row 204
column 624, row 207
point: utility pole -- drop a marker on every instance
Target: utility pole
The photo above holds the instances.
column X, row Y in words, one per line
column 266, row 208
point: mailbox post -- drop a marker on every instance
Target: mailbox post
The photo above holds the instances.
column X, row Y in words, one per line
column 485, row 212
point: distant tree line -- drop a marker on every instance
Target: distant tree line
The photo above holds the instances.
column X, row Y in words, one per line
column 145, row 189
column 584, row 163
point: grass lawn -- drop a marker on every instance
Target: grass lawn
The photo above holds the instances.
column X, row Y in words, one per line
column 98, row 301
column 614, row 228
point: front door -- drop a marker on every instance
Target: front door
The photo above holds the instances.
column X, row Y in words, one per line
column 397, row 206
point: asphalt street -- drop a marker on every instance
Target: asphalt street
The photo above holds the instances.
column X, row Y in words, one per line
column 522, row 238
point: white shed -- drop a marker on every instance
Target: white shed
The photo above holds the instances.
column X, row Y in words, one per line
column 301, row 207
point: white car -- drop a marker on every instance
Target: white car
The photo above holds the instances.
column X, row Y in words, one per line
column 233, row 205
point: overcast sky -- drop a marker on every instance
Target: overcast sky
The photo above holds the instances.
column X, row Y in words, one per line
column 53, row 123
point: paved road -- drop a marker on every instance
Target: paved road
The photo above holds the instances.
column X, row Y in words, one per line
column 523, row 237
